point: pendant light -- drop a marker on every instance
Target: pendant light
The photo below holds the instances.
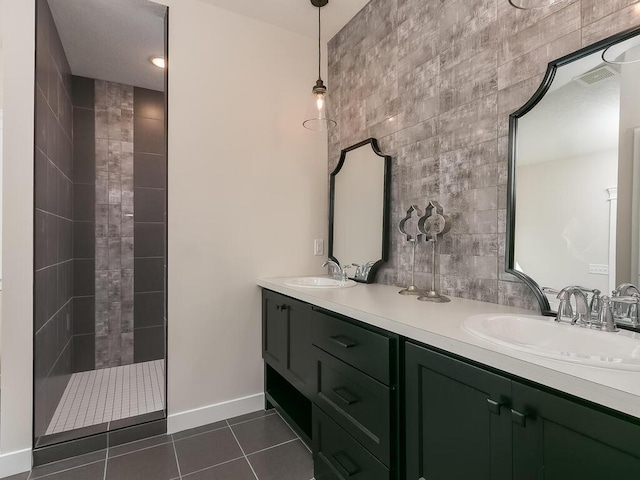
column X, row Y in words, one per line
column 317, row 117
column 533, row 4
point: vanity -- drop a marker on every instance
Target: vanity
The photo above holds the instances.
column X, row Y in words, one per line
column 383, row 387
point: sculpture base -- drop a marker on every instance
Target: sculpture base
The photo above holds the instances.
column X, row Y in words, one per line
column 434, row 297
column 411, row 290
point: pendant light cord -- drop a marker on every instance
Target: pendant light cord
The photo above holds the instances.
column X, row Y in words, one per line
column 319, row 43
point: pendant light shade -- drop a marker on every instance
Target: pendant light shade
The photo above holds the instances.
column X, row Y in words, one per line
column 317, row 117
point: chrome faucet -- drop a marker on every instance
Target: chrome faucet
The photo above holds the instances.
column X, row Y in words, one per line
column 339, row 273
column 626, row 310
column 583, row 309
column 362, row 271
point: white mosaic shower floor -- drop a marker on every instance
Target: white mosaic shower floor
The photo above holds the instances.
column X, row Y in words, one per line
column 101, row 396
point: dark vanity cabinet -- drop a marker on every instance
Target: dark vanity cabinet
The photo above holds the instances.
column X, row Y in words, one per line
column 286, row 339
column 338, row 382
column 463, row 421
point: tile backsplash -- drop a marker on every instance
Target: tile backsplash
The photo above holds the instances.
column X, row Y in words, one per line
column 435, row 81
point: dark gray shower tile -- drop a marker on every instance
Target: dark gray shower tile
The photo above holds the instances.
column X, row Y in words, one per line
column 149, row 309
column 149, row 135
column 149, row 344
column 84, row 240
column 83, row 92
column 150, row 170
column 84, row 202
column 149, row 239
column 83, row 277
column 149, row 205
column 149, row 275
column 83, row 315
column 84, row 351
column 84, row 146
column 148, row 103
column 41, row 184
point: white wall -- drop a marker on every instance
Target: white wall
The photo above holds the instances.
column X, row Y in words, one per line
column 17, row 313
column 559, row 202
column 247, row 196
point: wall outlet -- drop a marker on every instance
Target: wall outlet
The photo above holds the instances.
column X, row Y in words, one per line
column 599, row 269
column 318, row 247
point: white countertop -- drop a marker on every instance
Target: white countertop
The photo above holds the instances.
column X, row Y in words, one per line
column 440, row 325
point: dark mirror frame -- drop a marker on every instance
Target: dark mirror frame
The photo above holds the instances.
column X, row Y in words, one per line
column 513, row 131
column 385, row 206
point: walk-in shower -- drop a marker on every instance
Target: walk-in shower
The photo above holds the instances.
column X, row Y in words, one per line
column 100, row 218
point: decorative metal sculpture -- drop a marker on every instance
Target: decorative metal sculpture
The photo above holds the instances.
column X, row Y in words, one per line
column 433, row 225
column 413, row 239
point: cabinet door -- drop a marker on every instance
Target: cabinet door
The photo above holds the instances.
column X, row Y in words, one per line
column 457, row 424
column 275, row 330
column 286, row 339
column 555, row 438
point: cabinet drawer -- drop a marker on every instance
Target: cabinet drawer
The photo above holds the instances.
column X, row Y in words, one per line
column 337, row 456
column 360, row 404
column 366, row 350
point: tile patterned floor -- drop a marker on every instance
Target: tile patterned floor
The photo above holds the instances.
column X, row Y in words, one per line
column 100, row 396
column 257, row 446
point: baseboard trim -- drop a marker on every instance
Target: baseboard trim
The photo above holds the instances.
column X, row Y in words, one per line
column 16, row 462
column 197, row 417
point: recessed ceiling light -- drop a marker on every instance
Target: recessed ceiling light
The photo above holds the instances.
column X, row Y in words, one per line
column 158, row 61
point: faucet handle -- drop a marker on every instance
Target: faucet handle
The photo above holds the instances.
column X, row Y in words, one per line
column 345, row 274
column 605, row 316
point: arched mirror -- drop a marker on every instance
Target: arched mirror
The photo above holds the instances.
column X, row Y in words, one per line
column 574, row 171
column 358, row 212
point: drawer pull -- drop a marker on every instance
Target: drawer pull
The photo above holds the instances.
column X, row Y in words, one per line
column 345, row 395
column 343, row 341
column 345, row 464
column 493, row 406
column 519, row 418
column 282, row 308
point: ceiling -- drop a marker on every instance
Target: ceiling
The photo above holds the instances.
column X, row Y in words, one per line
column 112, row 39
column 297, row 16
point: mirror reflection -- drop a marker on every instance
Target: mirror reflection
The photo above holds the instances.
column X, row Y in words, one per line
column 358, row 210
column 576, row 162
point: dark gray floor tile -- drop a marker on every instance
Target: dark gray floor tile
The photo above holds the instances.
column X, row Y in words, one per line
column 19, row 476
column 251, row 416
column 158, row 463
column 235, row 470
column 195, row 431
column 206, row 450
column 291, row 461
column 262, row 433
column 94, row 471
column 67, row 464
column 139, row 445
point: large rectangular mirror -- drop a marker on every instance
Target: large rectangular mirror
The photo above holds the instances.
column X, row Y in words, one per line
column 574, row 173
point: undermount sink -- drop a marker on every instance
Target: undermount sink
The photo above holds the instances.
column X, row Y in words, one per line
column 319, row 282
column 544, row 337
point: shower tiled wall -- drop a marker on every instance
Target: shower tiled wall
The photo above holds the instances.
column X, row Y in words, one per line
column 54, row 271
column 114, row 272
column 435, row 81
